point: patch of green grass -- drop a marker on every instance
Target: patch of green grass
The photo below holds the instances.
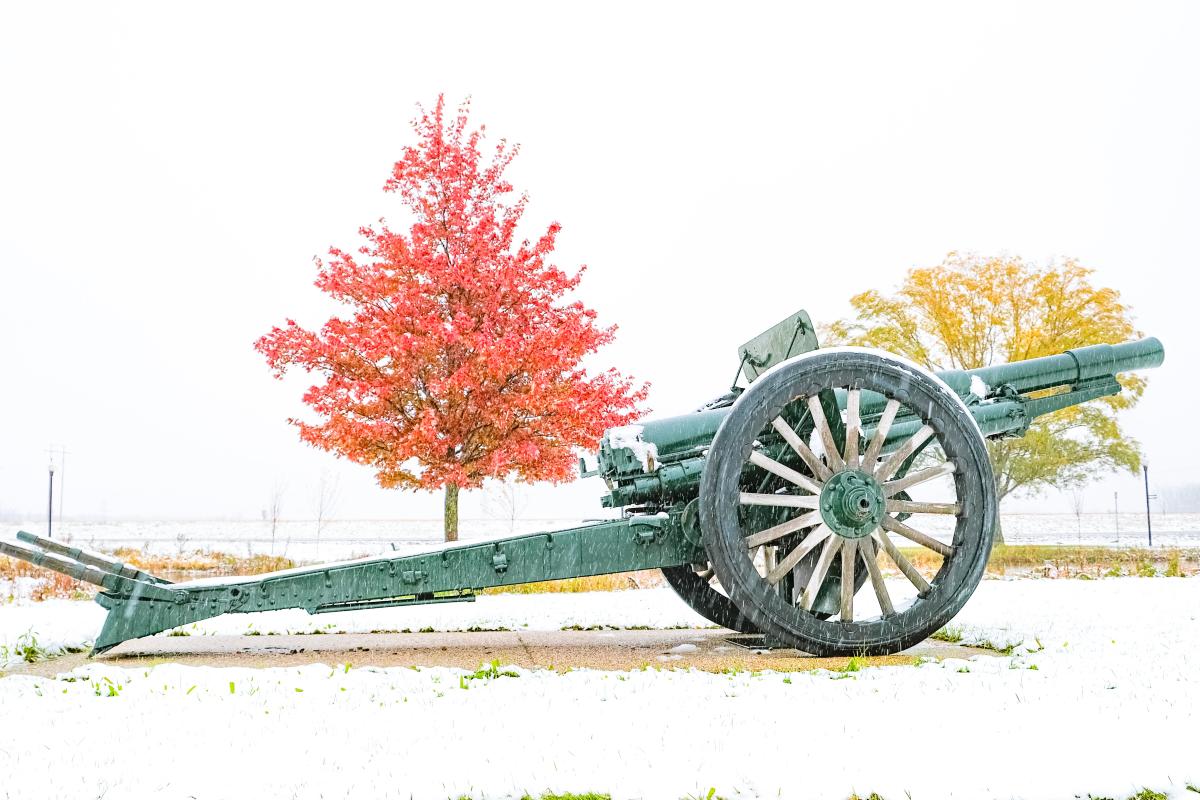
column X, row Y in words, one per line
column 855, row 664
column 569, row 796
column 1173, row 568
column 950, row 633
column 27, row 648
column 1148, row 794
column 1192, row 788
column 590, row 628
column 738, row 669
column 1145, row 569
column 1002, row 649
column 180, row 632
column 487, row 672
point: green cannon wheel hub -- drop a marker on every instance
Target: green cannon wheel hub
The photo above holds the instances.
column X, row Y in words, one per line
column 852, row 504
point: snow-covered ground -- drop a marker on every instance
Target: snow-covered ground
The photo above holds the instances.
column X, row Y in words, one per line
column 346, row 538
column 1100, row 696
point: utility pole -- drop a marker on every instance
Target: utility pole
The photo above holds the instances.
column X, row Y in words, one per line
column 62, row 480
column 1149, row 497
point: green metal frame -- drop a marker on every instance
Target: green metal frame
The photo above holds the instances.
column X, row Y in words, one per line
column 143, row 605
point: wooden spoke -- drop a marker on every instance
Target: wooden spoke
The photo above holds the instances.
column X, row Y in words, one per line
column 892, row 488
column 887, row 468
column 768, row 554
column 819, row 572
column 821, row 426
column 913, row 535
column 783, row 529
column 853, row 428
column 760, row 459
column 870, row 556
column 808, row 456
column 849, row 557
column 789, row 562
column 780, row 500
column 881, row 431
column 913, row 507
column 900, row 561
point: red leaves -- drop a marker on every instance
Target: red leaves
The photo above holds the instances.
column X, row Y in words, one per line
column 458, row 358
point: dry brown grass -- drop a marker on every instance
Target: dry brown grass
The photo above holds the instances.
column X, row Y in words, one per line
column 192, row 565
column 644, row 579
column 53, row 584
column 1066, row 561
column 202, row 564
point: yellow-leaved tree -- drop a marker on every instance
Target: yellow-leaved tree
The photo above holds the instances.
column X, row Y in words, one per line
column 975, row 311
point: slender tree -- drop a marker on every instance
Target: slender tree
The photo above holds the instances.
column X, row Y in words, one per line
column 459, row 357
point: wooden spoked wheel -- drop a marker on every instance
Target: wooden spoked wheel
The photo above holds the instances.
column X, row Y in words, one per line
column 838, row 504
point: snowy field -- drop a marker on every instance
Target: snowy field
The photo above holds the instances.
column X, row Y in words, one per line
column 347, row 538
column 1099, row 696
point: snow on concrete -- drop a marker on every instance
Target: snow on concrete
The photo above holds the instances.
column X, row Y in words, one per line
column 59, row 624
column 1099, row 697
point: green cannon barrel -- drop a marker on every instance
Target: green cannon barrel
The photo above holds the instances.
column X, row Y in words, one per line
column 1070, row 368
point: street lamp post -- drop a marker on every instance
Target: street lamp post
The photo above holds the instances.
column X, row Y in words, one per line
column 50, row 505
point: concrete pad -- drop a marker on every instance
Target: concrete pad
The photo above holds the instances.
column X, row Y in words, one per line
column 705, row 649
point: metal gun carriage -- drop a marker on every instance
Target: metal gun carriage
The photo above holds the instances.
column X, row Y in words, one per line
column 769, row 510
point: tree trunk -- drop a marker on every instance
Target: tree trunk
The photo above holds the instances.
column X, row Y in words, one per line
column 1002, row 491
column 451, row 518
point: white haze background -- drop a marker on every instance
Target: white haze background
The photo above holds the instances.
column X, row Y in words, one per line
column 167, row 174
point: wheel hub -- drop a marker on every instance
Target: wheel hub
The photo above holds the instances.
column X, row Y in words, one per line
column 852, row 504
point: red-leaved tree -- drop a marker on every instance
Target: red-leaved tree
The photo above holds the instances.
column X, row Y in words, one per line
column 457, row 358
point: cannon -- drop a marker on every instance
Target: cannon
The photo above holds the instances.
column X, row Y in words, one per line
column 769, row 510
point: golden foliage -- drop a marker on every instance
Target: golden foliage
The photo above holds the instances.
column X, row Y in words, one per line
column 975, row 311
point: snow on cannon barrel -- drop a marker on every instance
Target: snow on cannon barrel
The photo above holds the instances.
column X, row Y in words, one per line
column 769, row 510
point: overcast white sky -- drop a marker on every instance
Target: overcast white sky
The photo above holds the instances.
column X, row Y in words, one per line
column 167, row 174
